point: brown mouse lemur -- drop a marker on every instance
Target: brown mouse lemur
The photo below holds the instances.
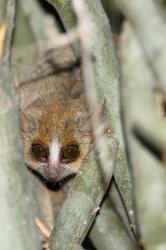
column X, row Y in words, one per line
column 55, row 123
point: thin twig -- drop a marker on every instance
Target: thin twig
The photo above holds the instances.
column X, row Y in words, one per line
column 42, row 227
column 10, row 26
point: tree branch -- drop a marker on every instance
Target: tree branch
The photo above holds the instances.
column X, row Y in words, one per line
column 148, row 173
column 17, row 217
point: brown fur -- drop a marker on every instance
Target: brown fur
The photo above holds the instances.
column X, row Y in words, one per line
column 54, row 106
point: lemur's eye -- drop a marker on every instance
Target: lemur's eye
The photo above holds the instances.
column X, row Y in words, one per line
column 39, row 152
column 70, row 153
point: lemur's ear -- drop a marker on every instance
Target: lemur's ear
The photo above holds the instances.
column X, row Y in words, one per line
column 27, row 123
column 103, row 115
column 24, row 122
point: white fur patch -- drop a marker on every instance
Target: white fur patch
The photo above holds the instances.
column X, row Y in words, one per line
column 54, row 153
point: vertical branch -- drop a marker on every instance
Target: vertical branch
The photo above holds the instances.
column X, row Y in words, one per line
column 106, row 70
column 149, row 174
column 17, row 218
column 85, row 31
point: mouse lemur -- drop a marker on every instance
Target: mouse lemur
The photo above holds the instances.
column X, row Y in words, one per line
column 55, row 123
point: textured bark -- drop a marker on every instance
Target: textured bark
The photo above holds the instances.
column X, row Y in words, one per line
column 108, row 232
column 18, row 229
